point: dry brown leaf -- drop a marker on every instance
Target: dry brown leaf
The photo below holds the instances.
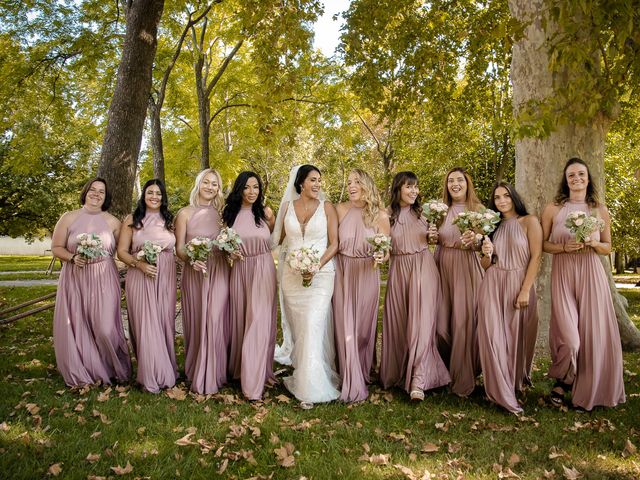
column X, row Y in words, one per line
column 255, row 432
column 388, row 397
column 380, row 459
column 104, row 396
column 283, row 398
column 551, row 474
column 366, row 447
column 103, row 418
column 96, row 434
column 407, row 472
column 55, row 469
column 32, row 408
column 629, row 449
column 223, row 466
column 93, row 457
column 4, row 427
column 454, row 447
column 429, row 448
column 514, row 459
column 555, row 453
column 571, row 473
column 176, row 393
column 507, row 473
column 284, row 455
column 95, row 477
column 186, row 440
column 37, row 421
column 128, row 468
column 274, row 439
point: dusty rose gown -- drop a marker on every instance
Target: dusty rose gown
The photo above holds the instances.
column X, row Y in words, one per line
column 253, row 307
column 355, row 305
column 583, row 332
column 506, row 335
column 151, row 303
column 410, row 357
column 205, row 310
column 461, row 275
column 88, row 337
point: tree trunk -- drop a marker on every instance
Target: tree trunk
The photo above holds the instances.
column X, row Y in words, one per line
column 121, row 146
column 619, row 262
column 540, row 162
column 157, row 150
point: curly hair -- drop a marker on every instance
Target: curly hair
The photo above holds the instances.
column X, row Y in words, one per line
column 370, row 196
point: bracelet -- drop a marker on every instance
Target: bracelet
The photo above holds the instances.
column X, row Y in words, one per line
column 73, row 258
column 134, row 264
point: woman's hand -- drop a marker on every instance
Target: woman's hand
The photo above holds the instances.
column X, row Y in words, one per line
column 572, row 246
column 236, row 256
column 79, row 261
column 487, row 247
column 433, row 234
column 199, row 266
column 522, row 301
column 148, row 269
column 380, row 257
column 468, row 239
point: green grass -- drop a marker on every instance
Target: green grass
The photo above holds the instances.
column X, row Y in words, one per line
column 12, row 263
column 474, row 438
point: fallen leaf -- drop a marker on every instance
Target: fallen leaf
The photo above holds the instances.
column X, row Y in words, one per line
column 571, row 473
column 555, row 453
column 410, row 474
column 223, row 466
column 380, row 459
column 176, row 393
column 104, row 396
column 95, row 477
column 514, row 459
column 274, row 439
column 284, row 455
column 128, row 468
column 96, row 434
column 103, row 418
column 55, row 469
column 32, row 408
column 551, row 474
column 186, row 440
column 507, row 473
column 4, row 427
column 629, row 449
column 366, row 447
column 93, row 457
column 429, row 448
column 283, row 398
column 454, row 447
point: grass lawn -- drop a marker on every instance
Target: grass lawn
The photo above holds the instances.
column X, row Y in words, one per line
column 12, row 263
column 48, row 429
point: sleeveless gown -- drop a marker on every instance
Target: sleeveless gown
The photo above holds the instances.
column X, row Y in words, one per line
column 583, row 333
column 355, row 305
column 151, row 304
column 253, row 306
column 88, row 337
column 410, row 357
column 308, row 311
column 461, row 275
column 506, row 335
column 205, row 310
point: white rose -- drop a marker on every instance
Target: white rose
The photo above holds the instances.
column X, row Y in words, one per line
column 579, row 222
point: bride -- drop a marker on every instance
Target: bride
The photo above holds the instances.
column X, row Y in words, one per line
column 306, row 219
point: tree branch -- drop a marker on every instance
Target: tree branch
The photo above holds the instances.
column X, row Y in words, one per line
column 223, row 67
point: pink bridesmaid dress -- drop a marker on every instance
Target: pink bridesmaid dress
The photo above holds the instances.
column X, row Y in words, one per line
column 88, row 336
column 410, row 357
column 205, row 310
column 252, row 307
column 461, row 275
column 355, row 306
column 583, row 333
column 506, row 335
column 151, row 304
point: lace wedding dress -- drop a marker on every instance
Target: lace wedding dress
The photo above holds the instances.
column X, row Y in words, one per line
column 307, row 314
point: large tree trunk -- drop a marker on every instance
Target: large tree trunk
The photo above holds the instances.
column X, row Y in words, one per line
column 157, row 150
column 121, row 147
column 540, row 162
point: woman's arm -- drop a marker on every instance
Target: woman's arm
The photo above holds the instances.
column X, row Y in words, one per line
column 332, row 233
column 270, row 218
column 181, row 233
column 602, row 247
column 124, row 249
column 549, row 212
column 487, row 253
column 534, row 236
column 59, row 240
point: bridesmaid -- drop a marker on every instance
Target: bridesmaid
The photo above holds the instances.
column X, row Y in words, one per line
column 151, row 288
column 88, row 337
column 205, row 288
column 507, row 315
column 357, row 284
column 461, row 275
column 410, row 357
column 586, row 354
column 252, row 287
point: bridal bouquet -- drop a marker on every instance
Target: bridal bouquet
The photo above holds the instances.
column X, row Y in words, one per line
column 435, row 212
column 381, row 244
column 199, row 248
column 304, row 260
column 582, row 225
column 229, row 242
column 481, row 223
column 149, row 252
column 90, row 246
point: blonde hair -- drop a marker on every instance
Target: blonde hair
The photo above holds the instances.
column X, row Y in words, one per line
column 370, row 196
column 218, row 200
column 472, row 200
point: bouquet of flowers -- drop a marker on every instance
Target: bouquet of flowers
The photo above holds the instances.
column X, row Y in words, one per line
column 435, row 212
column 304, row 260
column 229, row 242
column 582, row 225
column 90, row 246
column 381, row 244
column 481, row 223
column 199, row 248
column 149, row 252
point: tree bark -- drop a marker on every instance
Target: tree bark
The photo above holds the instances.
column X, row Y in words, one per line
column 127, row 112
column 157, row 149
column 540, row 161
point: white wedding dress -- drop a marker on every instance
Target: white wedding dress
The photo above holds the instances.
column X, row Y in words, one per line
column 307, row 315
